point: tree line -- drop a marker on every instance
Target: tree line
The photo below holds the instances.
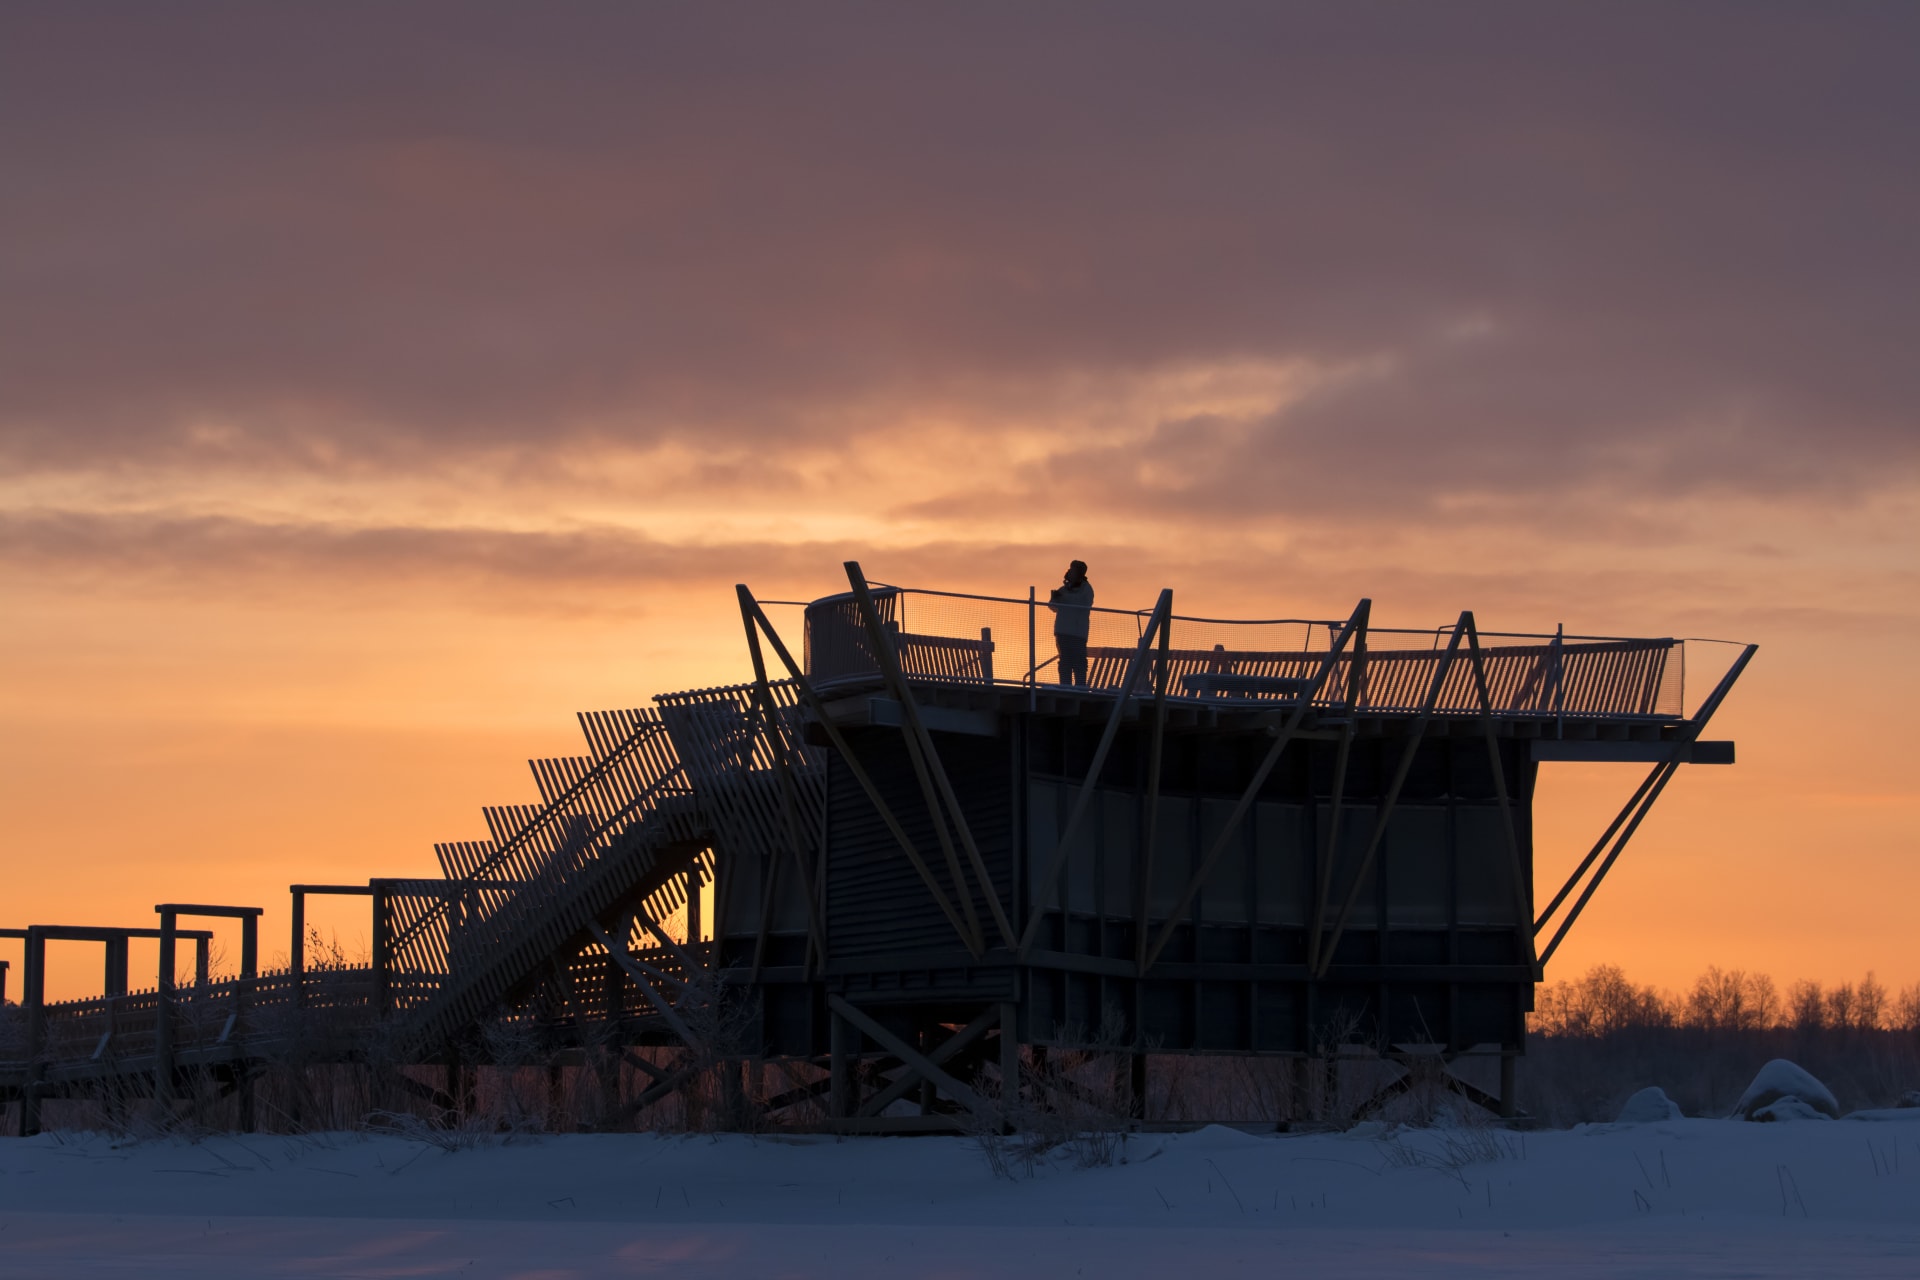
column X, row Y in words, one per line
column 1604, row 1002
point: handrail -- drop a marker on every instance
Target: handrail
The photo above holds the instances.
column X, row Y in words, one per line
column 1534, row 673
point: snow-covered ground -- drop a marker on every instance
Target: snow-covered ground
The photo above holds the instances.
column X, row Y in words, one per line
column 1676, row 1198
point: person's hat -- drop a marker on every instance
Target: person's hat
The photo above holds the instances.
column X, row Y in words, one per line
column 1078, row 566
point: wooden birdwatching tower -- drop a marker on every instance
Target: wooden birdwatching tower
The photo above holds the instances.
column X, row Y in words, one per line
column 927, row 863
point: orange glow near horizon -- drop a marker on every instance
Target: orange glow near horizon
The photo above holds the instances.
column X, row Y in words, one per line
column 217, row 737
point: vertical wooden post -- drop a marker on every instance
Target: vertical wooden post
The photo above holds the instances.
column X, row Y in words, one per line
column 200, row 959
column 1302, row 1091
column 1143, row 857
column 381, row 993
column 249, row 946
column 1137, row 1085
column 33, row 996
column 1033, row 657
column 839, row 1069
column 1509, row 1104
column 297, row 947
column 249, row 970
column 693, row 905
column 1009, row 1057
column 116, row 974
column 456, row 1099
column 163, row 1015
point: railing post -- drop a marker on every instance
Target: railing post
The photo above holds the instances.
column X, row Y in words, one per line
column 297, row 949
column 33, row 996
column 382, row 993
column 1033, row 653
column 163, row 1015
column 1560, row 681
column 116, row 967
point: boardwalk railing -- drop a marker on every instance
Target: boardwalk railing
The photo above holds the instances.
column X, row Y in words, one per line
column 634, row 822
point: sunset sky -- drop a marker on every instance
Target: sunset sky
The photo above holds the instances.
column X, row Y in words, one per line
column 381, row 385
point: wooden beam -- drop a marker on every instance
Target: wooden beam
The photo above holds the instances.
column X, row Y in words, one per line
column 1662, row 775
column 1355, row 623
column 1048, row 882
column 789, row 806
column 914, row 1059
column 639, row 977
column 1522, row 907
column 915, row 725
column 923, row 758
column 1330, row 846
column 1156, row 752
column 854, row 766
column 952, row 1045
column 1392, row 798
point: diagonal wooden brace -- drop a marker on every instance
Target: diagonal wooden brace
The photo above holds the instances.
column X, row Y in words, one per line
column 916, row 1061
column 839, row 741
column 1048, row 882
column 625, row 961
column 1285, row 736
column 909, row 1077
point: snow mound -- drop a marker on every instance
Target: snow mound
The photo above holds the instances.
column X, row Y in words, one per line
column 1650, row 1106
column 1780, row 1080
column 1787, row 1108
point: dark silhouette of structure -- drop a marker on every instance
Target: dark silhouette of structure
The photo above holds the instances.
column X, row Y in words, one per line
column 1238, row 838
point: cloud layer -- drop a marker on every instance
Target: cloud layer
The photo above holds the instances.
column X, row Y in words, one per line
column 1664, row 250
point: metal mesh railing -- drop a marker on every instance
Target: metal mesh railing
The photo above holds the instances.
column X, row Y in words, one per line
column 947, row 637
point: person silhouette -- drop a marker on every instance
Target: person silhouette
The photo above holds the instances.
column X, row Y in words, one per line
column 1072, row 605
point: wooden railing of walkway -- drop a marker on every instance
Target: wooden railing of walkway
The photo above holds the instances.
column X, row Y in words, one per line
column 621, row 840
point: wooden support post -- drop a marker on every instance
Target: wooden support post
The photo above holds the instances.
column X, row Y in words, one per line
column 201, row 956
column 840, row 1041
column 250, row 946
column 693, row 905
column 789, row 803
column 34, row 995
column 163, row 1017
column 1232, row 825
column 297, row 946
column 1049, row 881
column 116, row 967
column 1391, row 798
column 859, row 772
column 1156, row 750
column 926, row 763
column 1009, row 1056
column 1330, row 845
column 1522, row 904
column 456, row 1097
column 1137, row 1086
column 382, row 962
column 1509, row 1103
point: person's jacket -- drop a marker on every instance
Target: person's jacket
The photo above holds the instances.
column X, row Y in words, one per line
column 1072, row 609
